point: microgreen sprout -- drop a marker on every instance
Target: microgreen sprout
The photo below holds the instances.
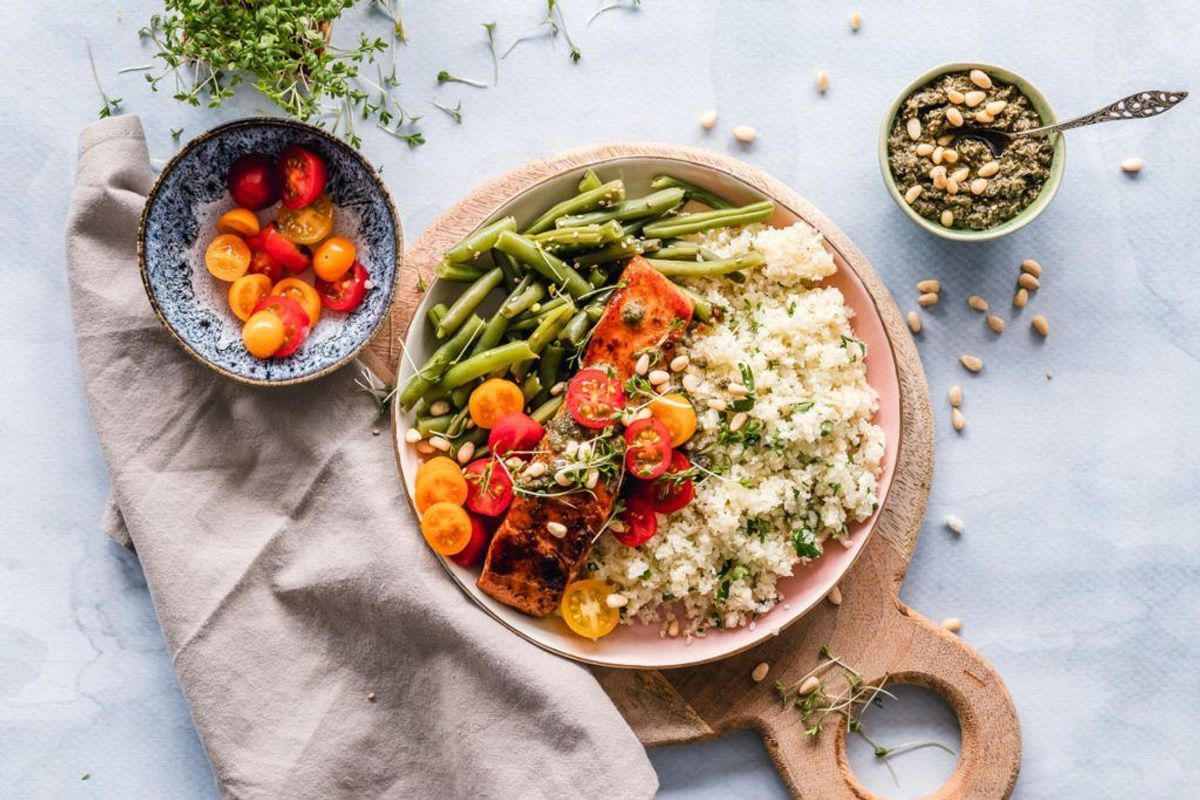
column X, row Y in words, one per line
column 552, row 27
column 111, row 104
column 392, row 11
column 175, row 134
column 413, row 139
column 615, row 4
column 490, row 27
column 446, row 77
column 380, row 391
column 455, row 113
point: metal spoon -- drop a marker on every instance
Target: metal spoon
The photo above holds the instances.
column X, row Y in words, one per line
column 1140, row 105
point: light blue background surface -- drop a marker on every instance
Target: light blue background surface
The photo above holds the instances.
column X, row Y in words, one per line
column 1079, row 574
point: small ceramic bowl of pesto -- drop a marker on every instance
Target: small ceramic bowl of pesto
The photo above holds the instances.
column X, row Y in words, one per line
column 957, row 188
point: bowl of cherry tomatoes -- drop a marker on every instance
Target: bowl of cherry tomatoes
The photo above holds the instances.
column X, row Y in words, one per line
column 270, row 251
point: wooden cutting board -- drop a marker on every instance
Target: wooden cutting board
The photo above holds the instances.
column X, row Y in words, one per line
column 871, row 629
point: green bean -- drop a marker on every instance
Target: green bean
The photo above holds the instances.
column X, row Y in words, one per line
column 685, row 251
column 549, row 365
column 618, row 251
column 461, row 394
column 459, row 273
column 435, row 313
column 491, row 335
column 531, row 386
column 480, row 240
column 545, row 333
column 506, row 355
column 695, row 269
column 706, row 220
column 458, row 423
column 468, row 301
column 602, row 195
column 427, row 425
column 544, row 263
column 597, row 277
column 595, row 311
column 450, row 352
column 690, row 191
column 581, row 237
column 527, row 293
column 476, row 436
column 546, row 410
column 509, row 266
column 702, row 308
column 589, row 181
column 576, row 328
column 649, row 206
column 538, row 310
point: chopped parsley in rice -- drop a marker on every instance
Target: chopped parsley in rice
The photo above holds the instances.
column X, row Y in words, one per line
column 784, row 485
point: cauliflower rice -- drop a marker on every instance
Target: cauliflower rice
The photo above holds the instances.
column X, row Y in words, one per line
column 805, row 465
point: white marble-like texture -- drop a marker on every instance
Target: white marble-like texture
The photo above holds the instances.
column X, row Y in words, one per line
column 1079, row 573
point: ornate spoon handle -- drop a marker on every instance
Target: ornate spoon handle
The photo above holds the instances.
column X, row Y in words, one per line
column 1140, row 105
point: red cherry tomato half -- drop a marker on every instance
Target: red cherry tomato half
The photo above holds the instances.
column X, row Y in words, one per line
column 515, row 432
column 284, row 250
column 477, row 546
column 594, row 397
column 670, row 492
column 296, row 325
column 347, row 292
column 262, row 262
column 303, row 174
column 489, row 487
column 640, row 523
column 253, row 182
column 647, row 448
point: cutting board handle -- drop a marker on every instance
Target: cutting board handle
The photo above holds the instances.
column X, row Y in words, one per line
column 923, row 654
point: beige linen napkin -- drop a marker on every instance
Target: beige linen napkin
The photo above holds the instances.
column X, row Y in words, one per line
column 289, row 576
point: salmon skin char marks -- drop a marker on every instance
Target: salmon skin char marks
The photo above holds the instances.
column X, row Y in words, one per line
column 527, row 567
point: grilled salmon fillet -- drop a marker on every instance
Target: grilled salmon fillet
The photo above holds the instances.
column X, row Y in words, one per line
column 527, row 567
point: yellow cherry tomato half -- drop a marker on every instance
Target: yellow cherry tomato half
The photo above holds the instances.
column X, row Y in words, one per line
column 245, row 292
column 493, row 399
column 440, row 486
column 446, row 527
column 675, row 412
column 333, row 258
column 307, row 225
column 227, row 257
column 241, row 221
column 585, row 608
column 304, row 294
column 263, row 334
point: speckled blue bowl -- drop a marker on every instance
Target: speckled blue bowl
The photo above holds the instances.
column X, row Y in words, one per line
column 177, row 224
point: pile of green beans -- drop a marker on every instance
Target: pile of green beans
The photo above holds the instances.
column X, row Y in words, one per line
column 556, row 274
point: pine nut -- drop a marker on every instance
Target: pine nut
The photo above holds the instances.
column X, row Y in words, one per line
column 950, row 156
column 571, row 449
column 995, row 323
column 974, row 98
column 412, row 436
column 439, row 408
column 615, row 600
column 939, row 181
column 558, row 388
column 935, row 171
column 957, row 419
column 938, row 152
column 989, row 169
column 465, row 452
column 924, row 149
column 1131, row 166
column 955, row 524
column 1032, row 267
column 1041, row 325
column 822, row 81
column 514, row 462
column 658, row 376
column 680, row 363
column 947, row 217
column 929, row 285
column 954, row 116
column 954, row 96
column 952, row 624
column 995, row 107
column 914, row 322
column 739, row 419
column 717, row 404
column 556, row 529
column 1027, row 281
column 979, row 186
column 438, row 443
column 471, row 424
column 972, row 363
column 913, row 193
column 690, row 383
column 708, row 120
column 736, row 388
column 977, row 303
column 562, row 478
column 959, row 175
column 928, row 299
column 984, row 118
column 980, row 79
column 955, row 396
column 855, row 23
column 834, row 596
column 810, row 685
column 673, row 628
column 1020, row 298
column 425, row 448
column 643, row 364
column 759, row 673
column 913, row 126
column 945, row 141
column 535, row 470
column 745, row 134
column 951, row 186
column 584, row 452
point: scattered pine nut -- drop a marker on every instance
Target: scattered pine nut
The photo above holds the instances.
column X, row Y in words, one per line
column 1030, row 282
column 989, row 169
column 995, row 323
column 1020, row 298
column 616, row 600
column 673, row 628
column 822, row 81
column 465, row 452
column 995, row 107
column 950, row 156
column 425, row 448
column 736, row 388
column 809, row 685
column 658, row 376
column 929, row 285
column 562, row 478
column 913, row 126
column 924, row 149
column 855, row 20
column 558, row 388
column 937, row 154
column 984, row 118
column 960, row 175
column 1041, row 325
column 955, row 396
column 739, row 419
column 972, row 363
column 1131, row 166
column 760, row 672
column 690, row 383
column 412, row 436
column 952, row 624
column 980, row 79
column 913, row 193
column 439, row 408
column 1032, row 267
column 643, row 364
column 535, row 470
column 928, row 299
column 914, row 322
column 954, row 116
column 716, row 404
column 951, row 186
column 556, row 529
column 708, row 120
column 745, row 133
column 946, row 140
column 957, row 419
column 947, row 217
column 438, row 443
column 370, row 697
column 977, row 303
column 939, row 180
column 979, row 186
column 974, row 98
column 955, row 524
column 955, row 97
column 834, row 596
column 680, row 363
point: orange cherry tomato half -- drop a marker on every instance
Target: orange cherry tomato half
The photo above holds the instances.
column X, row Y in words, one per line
column 442, row 486
column 594, row 397
column 227, row 257
column 434, row 464
column 295, row 321
column 263, row 334
column 307, row 225
column 346, row 293
column 334, row 258
column 446, row 527
column 246, row 292
column 647, row 448
column 494, row 399
column 241, row 221
column 303, row 174
column 675, row 412
column 303, row 293
column 585, row 608
column 284, row 250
